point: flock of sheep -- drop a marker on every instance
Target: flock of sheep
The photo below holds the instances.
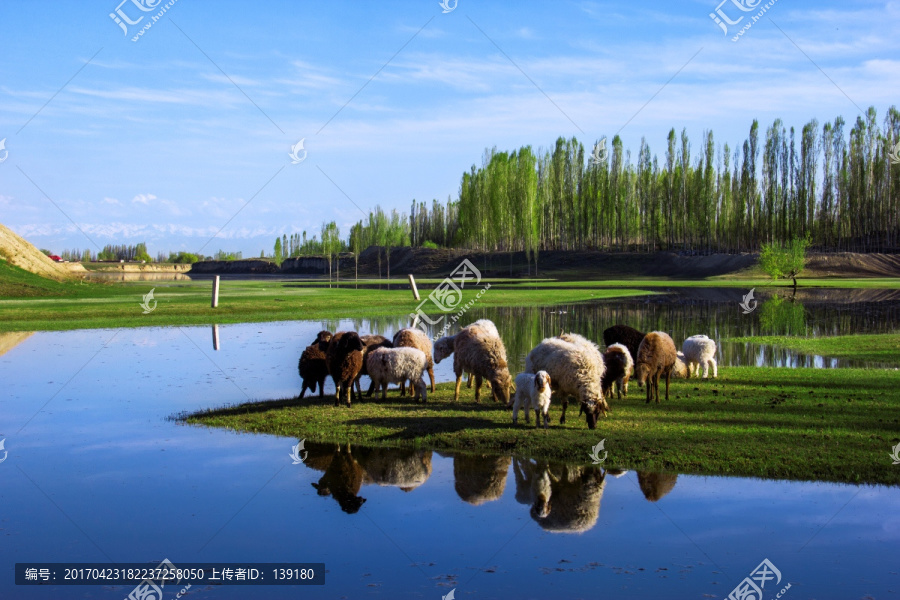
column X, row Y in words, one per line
column 568, row 365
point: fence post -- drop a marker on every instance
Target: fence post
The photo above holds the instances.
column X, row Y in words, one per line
column 412, row 284
column 215, row 294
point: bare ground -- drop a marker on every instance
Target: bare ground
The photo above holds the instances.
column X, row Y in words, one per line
column 20, row 252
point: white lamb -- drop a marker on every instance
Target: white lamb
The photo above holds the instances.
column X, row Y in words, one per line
column 532, row 393
column 396, row 365
column 700, row 350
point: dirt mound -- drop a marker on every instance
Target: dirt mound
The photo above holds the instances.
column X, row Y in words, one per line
column 20, row 252
column 852, row 264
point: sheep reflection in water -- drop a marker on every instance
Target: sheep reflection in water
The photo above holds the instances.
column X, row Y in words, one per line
column 563, row 498
column 346, row 471
column 656, row 485
column 479, row 478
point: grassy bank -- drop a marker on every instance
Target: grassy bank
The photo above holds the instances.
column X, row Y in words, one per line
column 93, row 305
column 805, row 424
column 884, row 348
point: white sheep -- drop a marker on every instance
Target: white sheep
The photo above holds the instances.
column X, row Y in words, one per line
column 700, row 350
column 532, row 393
column 576, row 369
column 396, row 365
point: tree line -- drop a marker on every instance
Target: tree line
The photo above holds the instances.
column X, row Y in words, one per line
column 838, row 189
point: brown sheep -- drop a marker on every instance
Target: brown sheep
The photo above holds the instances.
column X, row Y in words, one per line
column 619, row 368
column 344, row 359
column 412, row 337
column 623, row 334
column 478, row 352
column 371, row 342
column 312, row 367
column 479, row 478
column 656, row 357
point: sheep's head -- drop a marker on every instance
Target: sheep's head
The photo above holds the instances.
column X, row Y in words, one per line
column 594, row 407
column 442, row 349
column 541, row 381
column 323, row 337
column 350, row 342
column 501, row 385
column 641, row 373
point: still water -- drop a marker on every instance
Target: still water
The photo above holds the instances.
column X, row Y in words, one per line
column 97, row 471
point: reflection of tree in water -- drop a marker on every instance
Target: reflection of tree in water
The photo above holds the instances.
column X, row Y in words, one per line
column 681, row 313
column 478, row 478
column 781, row 316
column 656, row 485
column 563, row 498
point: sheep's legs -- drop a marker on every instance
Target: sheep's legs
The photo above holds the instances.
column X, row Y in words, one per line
column 456, row 391
column 478, row 382
column 565, row 405
column 469, row 381
column 715, row 367
column 384, row 387
column 516, row 413
column 668, row 374
column 431, row 377
column 321, row 388
column 306, row 387
column 537, row 420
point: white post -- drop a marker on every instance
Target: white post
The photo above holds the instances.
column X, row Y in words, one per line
column 215, row 331
column 215, row 295
column 412, row 284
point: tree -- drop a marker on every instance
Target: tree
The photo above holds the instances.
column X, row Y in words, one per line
column 279, row 256
column 784, row 260
column 331, row 243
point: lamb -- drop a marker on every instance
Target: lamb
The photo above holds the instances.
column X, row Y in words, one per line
column 619, row 367
column 575, row 369
column 656, row 357
column 476, row 351
column 312, row 367
column 411, row 337
column 370, row 342
column 394, row 365
column 344, row 360
column 623, row 334
column 699, row 351
column 532, row 393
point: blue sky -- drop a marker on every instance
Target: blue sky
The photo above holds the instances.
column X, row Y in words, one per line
column 164, row 140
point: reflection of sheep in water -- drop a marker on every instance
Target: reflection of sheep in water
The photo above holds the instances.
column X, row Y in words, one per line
column 312, row 367
column 416, row 338
column 476, row 350
column 403, row 468
column 619, row 367
column 576, row 369
column 344, row 360
column 700, row 351
column 395, row 365
column 655, row 357
column 533, row 485
column 342, row 479
column 480, row 479
column 656, row 485
column 574, row 499
column 370, row 342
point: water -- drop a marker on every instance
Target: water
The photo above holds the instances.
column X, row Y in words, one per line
column 98, row 472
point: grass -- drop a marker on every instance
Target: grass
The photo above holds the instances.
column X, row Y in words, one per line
column 882, row 348
column 93, row 305
column 803, row 424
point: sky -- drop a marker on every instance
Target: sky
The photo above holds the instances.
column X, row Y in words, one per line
column 182, row 139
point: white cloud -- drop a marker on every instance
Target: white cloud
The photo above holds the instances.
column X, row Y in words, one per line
column 144, row 199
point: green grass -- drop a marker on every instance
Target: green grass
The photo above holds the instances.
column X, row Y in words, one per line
column 883, row 348
column 93, row 305
column 19, row 283
column 803, row 424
